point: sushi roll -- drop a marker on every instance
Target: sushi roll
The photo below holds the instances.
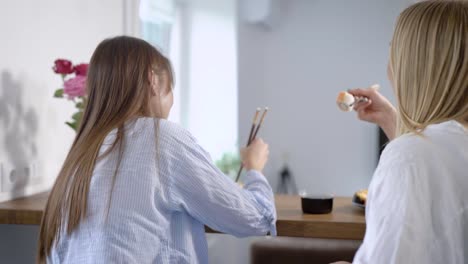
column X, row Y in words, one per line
column 345, row 101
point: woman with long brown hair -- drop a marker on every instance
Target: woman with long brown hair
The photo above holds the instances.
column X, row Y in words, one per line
column 417, row 209
column 136, row 188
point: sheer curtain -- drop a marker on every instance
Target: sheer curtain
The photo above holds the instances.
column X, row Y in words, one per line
column 200, row 38
column 157, row 19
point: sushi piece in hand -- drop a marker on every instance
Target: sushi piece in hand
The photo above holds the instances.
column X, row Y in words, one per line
column 345, row 101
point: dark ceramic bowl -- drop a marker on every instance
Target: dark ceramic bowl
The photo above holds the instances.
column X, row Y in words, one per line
column 319, row 204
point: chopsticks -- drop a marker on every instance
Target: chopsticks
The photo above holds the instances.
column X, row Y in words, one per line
column 254, row 124
column 253, row 132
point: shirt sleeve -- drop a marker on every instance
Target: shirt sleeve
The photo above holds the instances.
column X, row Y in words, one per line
column 397, row 214
column 204, row 192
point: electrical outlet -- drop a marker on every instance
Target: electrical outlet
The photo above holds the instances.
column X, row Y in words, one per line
column 16, row 179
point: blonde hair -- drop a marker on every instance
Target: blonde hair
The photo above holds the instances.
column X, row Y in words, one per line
column 429, row 62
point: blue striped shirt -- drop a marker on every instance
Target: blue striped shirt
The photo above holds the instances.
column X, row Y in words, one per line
column 166, row 190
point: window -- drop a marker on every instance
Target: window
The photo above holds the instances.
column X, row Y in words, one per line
column 199, row 36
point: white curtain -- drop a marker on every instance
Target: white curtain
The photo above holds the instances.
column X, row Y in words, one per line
column 157, row 18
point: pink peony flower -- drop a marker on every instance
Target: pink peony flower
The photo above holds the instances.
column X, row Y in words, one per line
column 81, row 69
column 75, row 87
column 63, row 66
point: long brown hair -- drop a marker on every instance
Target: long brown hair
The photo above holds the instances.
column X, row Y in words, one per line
column 118, row 88
column 429, row 61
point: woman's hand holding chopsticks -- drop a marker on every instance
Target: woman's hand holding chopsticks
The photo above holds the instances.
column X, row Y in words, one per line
column 255, row 156
column 253, row 134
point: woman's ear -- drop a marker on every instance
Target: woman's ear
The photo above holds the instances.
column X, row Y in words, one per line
column 154, row 83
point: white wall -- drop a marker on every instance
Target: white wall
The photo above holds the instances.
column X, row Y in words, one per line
column 316, row 49
column 32, row 129
column 35, row 33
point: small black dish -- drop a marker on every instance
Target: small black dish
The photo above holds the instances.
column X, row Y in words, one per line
column 320, row 204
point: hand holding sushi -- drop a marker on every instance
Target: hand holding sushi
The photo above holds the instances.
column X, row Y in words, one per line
column 375, row 108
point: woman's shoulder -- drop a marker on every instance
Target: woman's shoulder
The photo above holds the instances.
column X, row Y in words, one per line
column 405, row 148
column 401, row 159
column 165, row 131
column 399, row 168
column 434, row 138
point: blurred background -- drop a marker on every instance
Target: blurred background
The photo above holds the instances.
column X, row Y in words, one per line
column 230, row 57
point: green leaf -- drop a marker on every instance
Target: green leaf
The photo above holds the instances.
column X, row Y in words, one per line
column 73, row 125
column 80, row 105
column 77, row 116
column 229, row 163
column 58, row 93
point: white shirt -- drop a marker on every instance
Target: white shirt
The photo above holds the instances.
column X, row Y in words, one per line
column 417, row 210
column 165, row 192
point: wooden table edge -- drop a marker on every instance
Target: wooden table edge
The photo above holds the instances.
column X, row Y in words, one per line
column 23, row 214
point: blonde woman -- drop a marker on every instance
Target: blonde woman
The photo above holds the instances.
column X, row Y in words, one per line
column 136, row 188
column 417, row 209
